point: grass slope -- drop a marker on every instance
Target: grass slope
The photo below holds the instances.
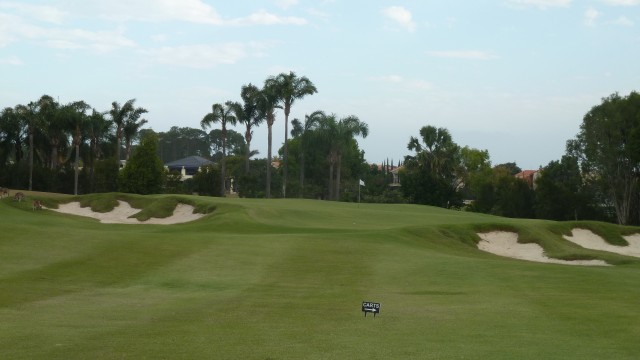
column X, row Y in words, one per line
column 284, row 279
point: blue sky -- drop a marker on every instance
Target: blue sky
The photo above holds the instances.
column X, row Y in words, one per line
column 514, row 77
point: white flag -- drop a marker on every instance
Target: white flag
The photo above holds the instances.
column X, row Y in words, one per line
column 361, row 182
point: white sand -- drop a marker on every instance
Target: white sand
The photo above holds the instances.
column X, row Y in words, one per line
column 506, row 244
column 587, row 239
column 120, row 214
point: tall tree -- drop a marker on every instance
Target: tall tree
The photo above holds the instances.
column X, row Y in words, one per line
column 180, row 142
column 222, row 114
column 431, row 176
column 76, row 113
column 98, row 130
column 339, row 134
column 290, row 87
column 605, row 148
column 249, row 114
column 233, row 143
column 303, row 131
column 11, row 139
column 120, row 115
column 55, row 124
column 559, row 191
column 29, row 116
column 267, row 105
column 130, row 132
column 144, row 173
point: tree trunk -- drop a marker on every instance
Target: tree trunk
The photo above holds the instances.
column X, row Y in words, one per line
column 30, row 160
column 302, row 175
column 338, row 168
column 128, row 150
column 118, row 140
column 268, row 189
column 247, row 137
column 330, row 180
column 286, row 151
column 54, row 155
column 75, row 186
column 223, row 186
column 622, row 198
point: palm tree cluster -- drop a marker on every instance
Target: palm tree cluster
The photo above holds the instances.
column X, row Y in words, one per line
column 258, row 105
column 332, row 136
column 46, row 135
column 322, row 137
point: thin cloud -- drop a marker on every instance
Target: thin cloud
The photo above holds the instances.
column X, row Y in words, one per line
column 204, row 56
column 265, row 18
column 44, row 13
column 622, row 2
column 541, row 4
column 192, row 11
column 401, row 17
column 15, row 29
column 590, row 16
column 11, row 60
column 463, row 54
column 623, row 21
column 285, row 4
column 414, row 84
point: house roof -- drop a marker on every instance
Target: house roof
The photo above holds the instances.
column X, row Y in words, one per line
column 526, row 173
column 189, row 162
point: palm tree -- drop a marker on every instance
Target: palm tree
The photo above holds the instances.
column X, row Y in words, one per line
column 98, row 129
column 120, row 115
column 249, row 115
column 78, row 120
column 289, row 88
column 29, row 117
column 11, row 136
column 303, row 131
column 55, row 125
column 339, row 134
column 130, row 131
column 436, row 150
column 267, row 104
column 223, row 115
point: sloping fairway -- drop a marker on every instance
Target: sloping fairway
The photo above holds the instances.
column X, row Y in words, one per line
column 284, row 279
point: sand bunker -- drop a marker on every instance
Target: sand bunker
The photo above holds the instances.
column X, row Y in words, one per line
column 587, row 239
column 506, row 244
column 120, row 214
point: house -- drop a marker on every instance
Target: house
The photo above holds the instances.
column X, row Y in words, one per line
column 188, row 166
column 529, row 176
column 396, row 178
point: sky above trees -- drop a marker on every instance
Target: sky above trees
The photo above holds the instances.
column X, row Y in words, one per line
column 514, row 77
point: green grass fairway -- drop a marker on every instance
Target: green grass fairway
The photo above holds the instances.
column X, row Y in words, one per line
column 284, row 279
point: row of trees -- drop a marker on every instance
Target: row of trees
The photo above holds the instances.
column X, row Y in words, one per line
column 47, row 137
column 597, row 178
column 49, row 131
column 259, row 105
column 44, row 143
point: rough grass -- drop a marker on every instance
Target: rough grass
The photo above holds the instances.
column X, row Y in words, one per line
column 284, row 279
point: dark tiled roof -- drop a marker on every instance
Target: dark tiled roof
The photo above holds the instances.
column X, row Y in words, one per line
column 189, row 162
